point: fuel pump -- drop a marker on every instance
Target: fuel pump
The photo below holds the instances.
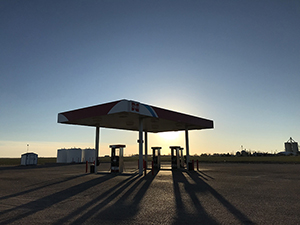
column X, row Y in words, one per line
column 156, row 157
column 177, row 157
column 117, row 163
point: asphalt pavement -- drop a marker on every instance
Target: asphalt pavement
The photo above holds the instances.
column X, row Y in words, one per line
column 216, row 194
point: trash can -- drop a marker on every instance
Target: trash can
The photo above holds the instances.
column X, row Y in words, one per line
column 191, row 166
column 92, row 168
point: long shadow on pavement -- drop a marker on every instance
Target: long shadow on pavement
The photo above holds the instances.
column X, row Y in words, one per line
column 47, row 201
column 126, row 202
column 198, row 179
column 184, row 217
column 107, row 196
column 28, row 167
column 205, row 176
column 41, row 187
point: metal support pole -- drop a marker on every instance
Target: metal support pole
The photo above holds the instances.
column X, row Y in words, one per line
column 178, row 157
column 140, row 146
column 146, row 149
column 97, row 147
column 187, row 147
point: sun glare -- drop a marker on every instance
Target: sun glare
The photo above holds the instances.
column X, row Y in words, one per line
column 169, row 135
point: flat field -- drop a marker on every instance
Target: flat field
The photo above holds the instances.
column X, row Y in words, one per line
column 219, row 193
column 17, row 161
column 207, row 159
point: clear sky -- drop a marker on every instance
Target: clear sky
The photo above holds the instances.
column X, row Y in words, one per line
column 236, row 62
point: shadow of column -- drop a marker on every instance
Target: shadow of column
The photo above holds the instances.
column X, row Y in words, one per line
column 105, row 198
column 105, row 211
column 182, row 215
column 47, row 201
column 231, row 208
column 41, row 187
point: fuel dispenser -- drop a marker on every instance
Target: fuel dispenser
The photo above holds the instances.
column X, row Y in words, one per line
column 117, row 163
column 156, row 157
column 177, row 157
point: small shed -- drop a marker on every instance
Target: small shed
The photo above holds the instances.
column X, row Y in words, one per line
column 29, row 159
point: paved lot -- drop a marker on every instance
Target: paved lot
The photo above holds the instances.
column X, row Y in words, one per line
column 217, row 194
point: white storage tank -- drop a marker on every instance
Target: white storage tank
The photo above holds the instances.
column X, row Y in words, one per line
column 74, row 155
column 88, row 155
column 61, row 156
column 29, row 159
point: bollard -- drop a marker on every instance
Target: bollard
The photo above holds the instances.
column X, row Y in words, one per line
column 138, row 163
column 192, row 164
column 145, row 169
column 86, row 166
column 152, row 167
column 197, row 165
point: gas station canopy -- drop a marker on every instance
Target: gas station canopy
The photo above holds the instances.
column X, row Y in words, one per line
column 125, row 114
column 135, row 116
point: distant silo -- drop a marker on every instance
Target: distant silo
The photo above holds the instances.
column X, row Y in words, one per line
column 295, row 147
column 288, row 147
column 291, row 146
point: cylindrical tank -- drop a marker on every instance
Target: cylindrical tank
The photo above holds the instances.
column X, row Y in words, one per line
column 74, row 155
column 88, row 155
column 61, row 156
column 288, row 146
column 295, row 147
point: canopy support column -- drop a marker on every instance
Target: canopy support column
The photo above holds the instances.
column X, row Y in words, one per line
column 97, row 147
column 140, row 146
column 146, row 148
column 187, row 146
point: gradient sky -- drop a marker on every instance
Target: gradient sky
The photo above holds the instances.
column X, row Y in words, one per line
column 235, row 62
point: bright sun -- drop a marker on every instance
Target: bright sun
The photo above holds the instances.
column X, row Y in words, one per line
column 169, row 135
